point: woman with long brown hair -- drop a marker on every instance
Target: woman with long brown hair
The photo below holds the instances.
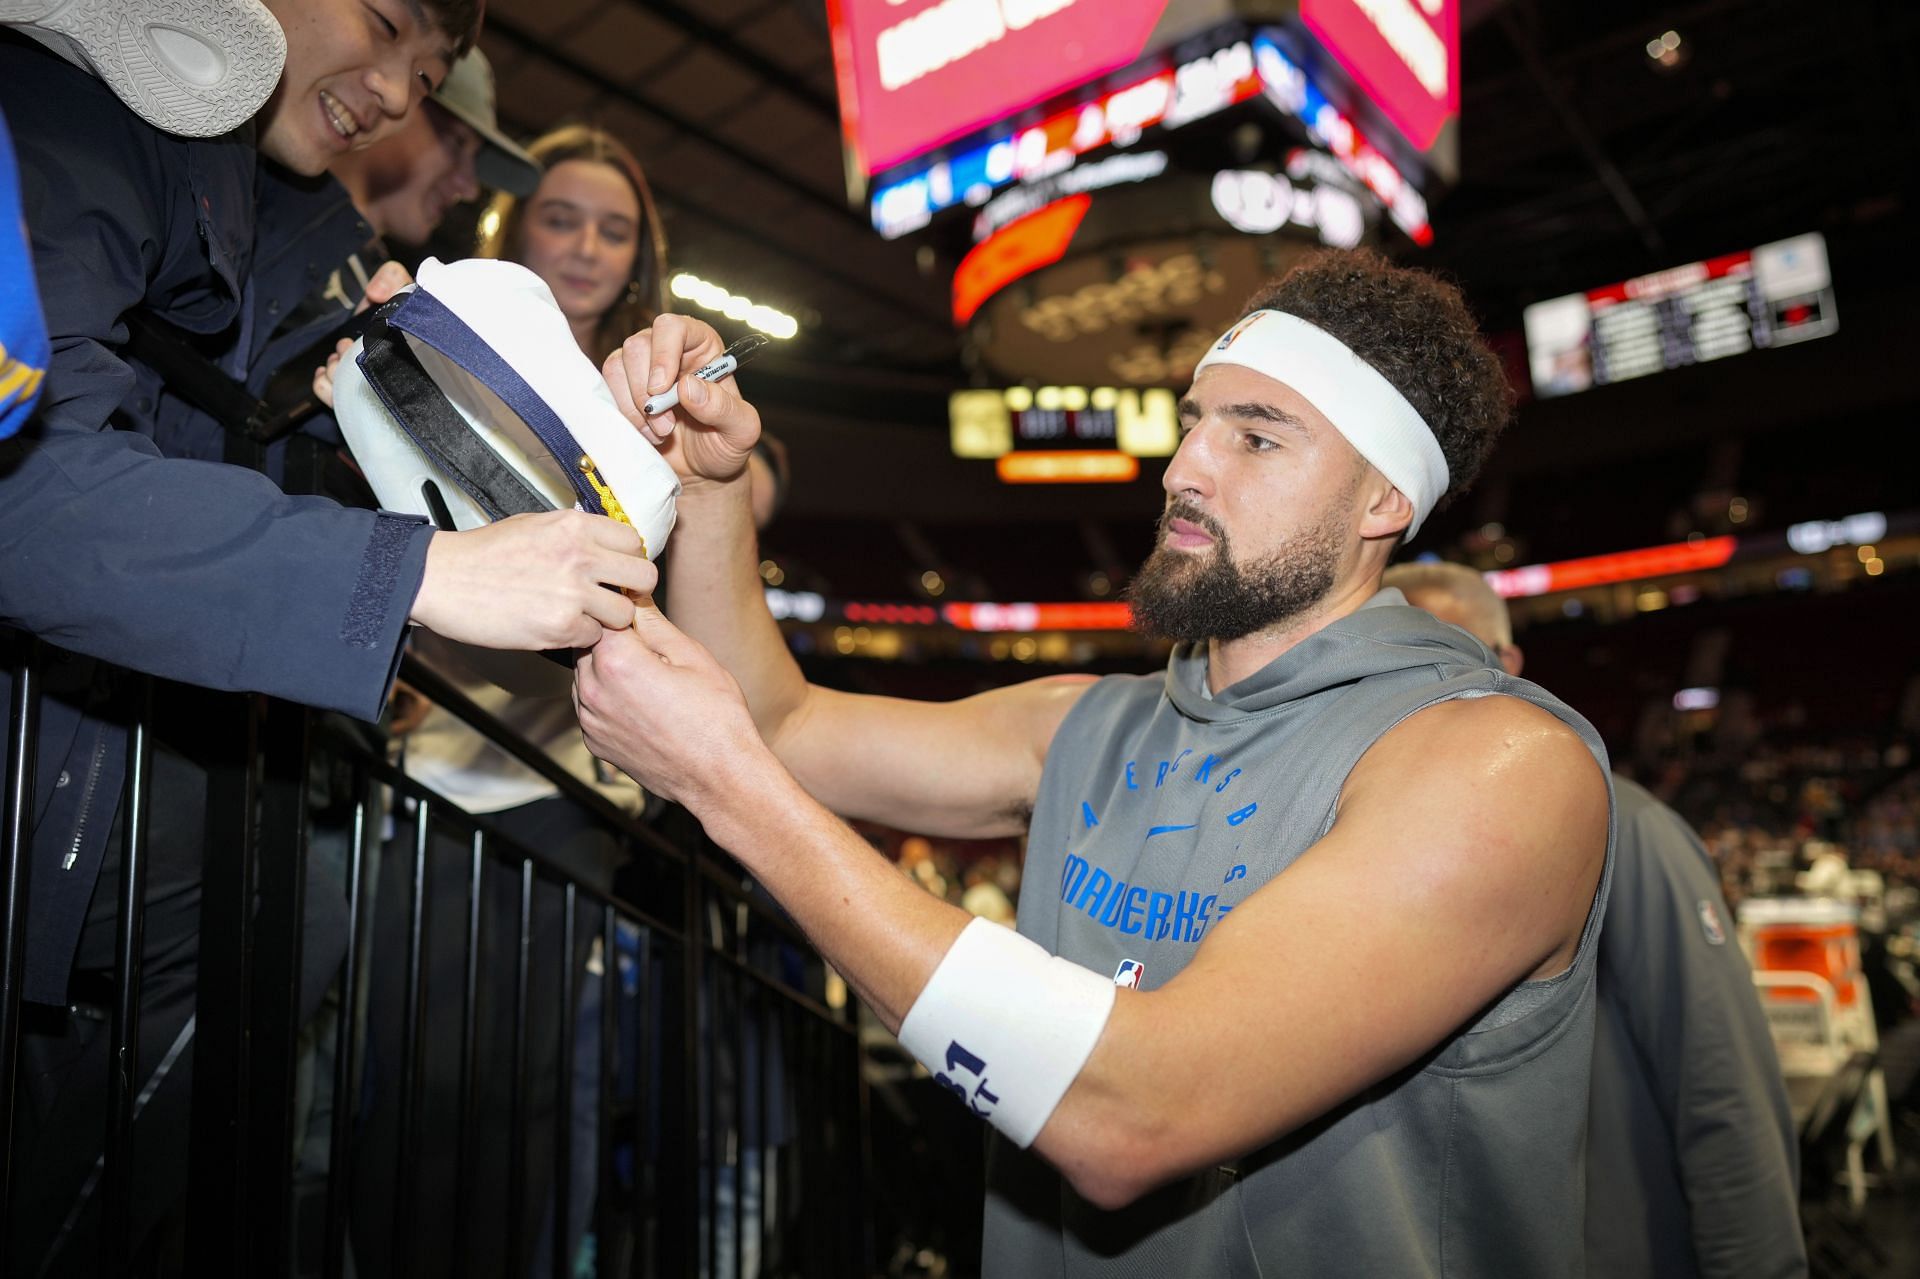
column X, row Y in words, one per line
column 591, row 231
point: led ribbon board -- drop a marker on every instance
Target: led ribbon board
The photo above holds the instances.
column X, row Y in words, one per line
column 1164, row 99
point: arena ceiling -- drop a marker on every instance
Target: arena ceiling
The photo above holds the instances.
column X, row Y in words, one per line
column 1583, row 162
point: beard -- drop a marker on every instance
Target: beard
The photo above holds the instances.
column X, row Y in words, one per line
column 1190, row 597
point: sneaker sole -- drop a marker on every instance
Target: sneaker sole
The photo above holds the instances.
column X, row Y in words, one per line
column 194, row 67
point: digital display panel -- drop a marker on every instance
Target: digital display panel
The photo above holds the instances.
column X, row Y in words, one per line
column 916, row 73
column 990, row 423
column 1404, row 54
column 1166, row 98
column 1190, row 91
column 1774, row 295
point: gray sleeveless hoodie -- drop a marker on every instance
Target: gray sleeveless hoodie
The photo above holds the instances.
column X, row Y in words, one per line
column 1159, row 811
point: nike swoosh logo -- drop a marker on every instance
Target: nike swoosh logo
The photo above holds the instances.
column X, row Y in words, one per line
column 1168, row 830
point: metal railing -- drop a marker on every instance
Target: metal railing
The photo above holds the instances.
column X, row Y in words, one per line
column 727, row 1127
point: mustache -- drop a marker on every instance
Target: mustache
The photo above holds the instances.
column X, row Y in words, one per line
column 1179, row 509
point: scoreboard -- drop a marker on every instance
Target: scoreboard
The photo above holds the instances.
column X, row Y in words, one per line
column 988, row 423
column 1774, row 295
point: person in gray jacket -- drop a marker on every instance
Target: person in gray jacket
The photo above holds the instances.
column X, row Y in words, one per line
column 1692, row 1157
column 1303, row 981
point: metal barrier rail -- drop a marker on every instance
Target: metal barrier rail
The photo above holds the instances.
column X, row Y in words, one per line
column 728, row 1133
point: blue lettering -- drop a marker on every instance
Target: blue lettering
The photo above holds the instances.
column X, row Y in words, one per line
column 1206, row 909
column 1160, row 774
column 1076, row 870
column 1086, row 815
column 1238, row 872
column 1158, row 908
column 959, row 1059
column 1130, row 917
column 1183, row 914
column 1177, row 758
column 1206, row 769
column 1234, row 819
column 1131, row 784
column 1115, row 904
column 1226, row 781
column 1094, row 889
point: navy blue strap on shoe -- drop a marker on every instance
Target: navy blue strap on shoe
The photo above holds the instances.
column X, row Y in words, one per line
column 437, row 428
column 423, row 316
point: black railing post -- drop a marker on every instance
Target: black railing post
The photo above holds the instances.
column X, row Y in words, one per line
column 648, row 1211
column 863, row 1134
column 517, row 1138
column 278, row 931
column 129, row 943
column 366, row 822
column 765, row 1108
column 737, row 1129
column 697, row 1064
column 603, row 1215
column 563, row 1100
column 16, row 850
column 406, row 1224
column 469, row 1041
column 219, row 1227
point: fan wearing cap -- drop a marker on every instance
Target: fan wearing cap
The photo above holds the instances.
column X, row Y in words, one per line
column 1304, row 975
column 442, row 155
column 327, row 245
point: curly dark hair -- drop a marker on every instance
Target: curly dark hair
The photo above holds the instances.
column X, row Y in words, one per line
column 1416, row 330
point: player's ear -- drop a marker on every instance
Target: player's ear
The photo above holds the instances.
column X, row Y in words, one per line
column 1388, row 512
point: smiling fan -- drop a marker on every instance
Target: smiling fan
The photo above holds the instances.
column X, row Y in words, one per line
column 467, row 400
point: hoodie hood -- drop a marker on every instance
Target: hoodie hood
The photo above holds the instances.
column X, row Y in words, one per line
column 1384, row 634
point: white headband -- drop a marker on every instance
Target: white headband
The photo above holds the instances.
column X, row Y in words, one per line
column 1362, row 405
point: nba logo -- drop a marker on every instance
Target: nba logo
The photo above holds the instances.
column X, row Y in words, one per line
column 1237, row 330
column 1129, row 974
column 1710, row 924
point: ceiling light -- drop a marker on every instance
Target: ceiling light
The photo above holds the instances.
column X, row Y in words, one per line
column 1668, row 51
column 692, row 288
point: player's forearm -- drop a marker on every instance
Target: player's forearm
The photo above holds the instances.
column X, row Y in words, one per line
column 716, row 597
column 1116, row 1136
column 878, row 929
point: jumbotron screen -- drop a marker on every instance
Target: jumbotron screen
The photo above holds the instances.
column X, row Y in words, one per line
column 916, row 73
column 1774, row 295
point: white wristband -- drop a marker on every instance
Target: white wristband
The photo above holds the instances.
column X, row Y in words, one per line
column 1007, row 1026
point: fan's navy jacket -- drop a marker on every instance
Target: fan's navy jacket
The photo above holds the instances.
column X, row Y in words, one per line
column 123, row 537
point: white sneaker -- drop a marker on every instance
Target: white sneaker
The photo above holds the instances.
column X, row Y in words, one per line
column 599, row 463
column 194, row 67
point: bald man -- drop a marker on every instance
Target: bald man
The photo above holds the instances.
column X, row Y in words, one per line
column 1692, row 1158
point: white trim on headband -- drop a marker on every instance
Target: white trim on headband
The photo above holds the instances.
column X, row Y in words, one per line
column 1362, row 405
